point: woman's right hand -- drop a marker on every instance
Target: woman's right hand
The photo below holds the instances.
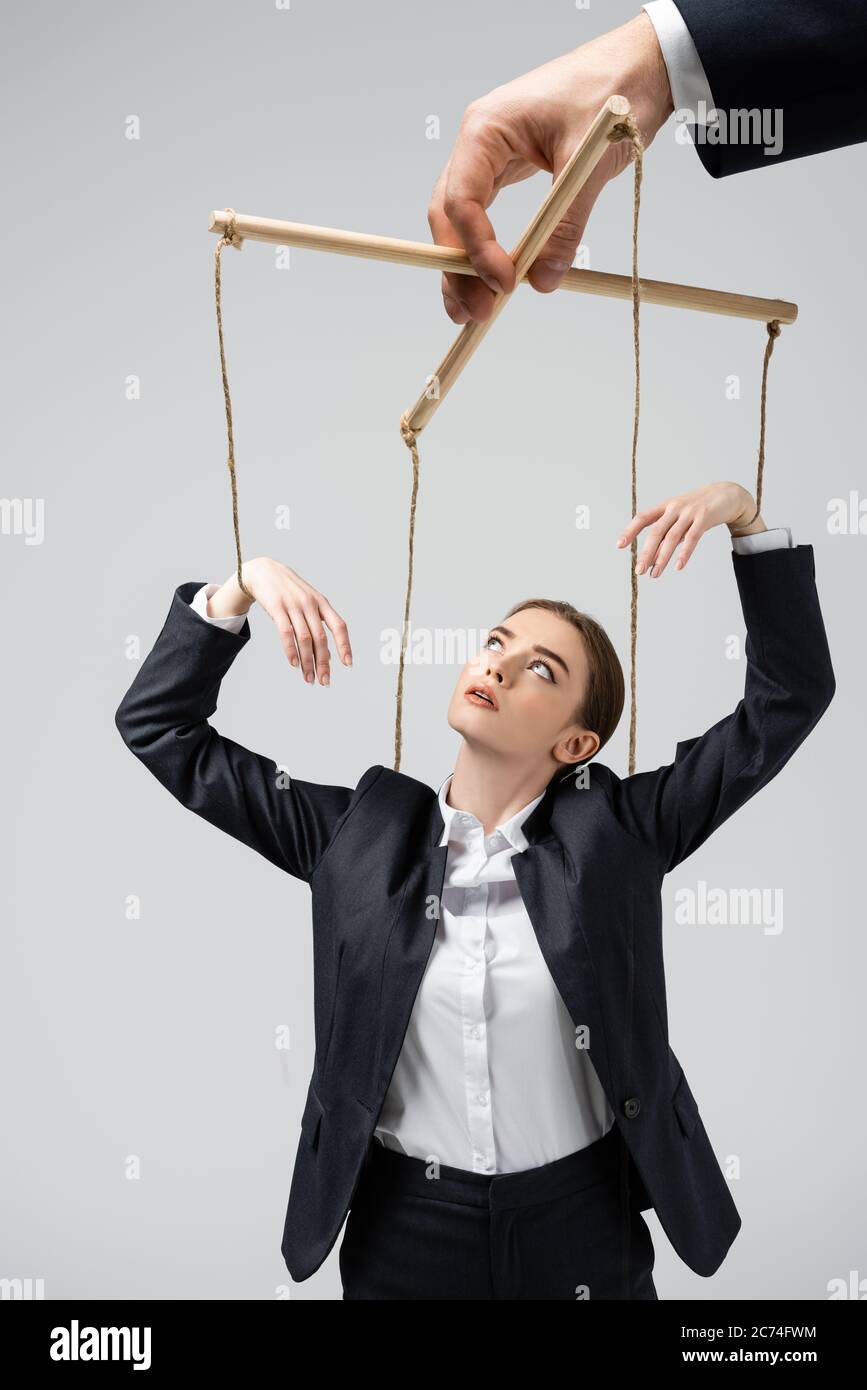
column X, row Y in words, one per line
column 299, row 612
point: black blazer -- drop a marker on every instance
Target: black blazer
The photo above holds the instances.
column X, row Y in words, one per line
column 590, row 879
column 807, row 58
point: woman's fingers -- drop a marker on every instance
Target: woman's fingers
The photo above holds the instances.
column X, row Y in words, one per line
column 675, row 534
column 638, row 523
column 299, row 613
column 303, row 638
column 690, row 541
column 672, row 523
column 311, row 639
column 321, row 654
column 338, row 628
column 285, row 627
column 662, row 518
column 654, row 538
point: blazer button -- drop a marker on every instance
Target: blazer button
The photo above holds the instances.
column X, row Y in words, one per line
column 631, row 1107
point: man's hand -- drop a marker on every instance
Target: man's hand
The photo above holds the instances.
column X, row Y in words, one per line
column 683, row 520
column 299, row 612
column 536, row 122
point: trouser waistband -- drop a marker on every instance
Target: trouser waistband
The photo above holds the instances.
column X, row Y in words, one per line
column 397, row 1172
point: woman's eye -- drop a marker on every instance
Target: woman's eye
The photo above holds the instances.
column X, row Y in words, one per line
column 546, row 668
column 549, row 674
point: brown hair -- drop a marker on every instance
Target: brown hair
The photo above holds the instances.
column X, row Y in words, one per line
column 602, row 705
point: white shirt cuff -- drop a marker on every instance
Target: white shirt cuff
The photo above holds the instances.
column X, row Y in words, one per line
column 199, row 604
column 690, row 89
column 775, row 538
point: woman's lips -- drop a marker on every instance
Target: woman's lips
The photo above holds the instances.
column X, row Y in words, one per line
column 475, row 699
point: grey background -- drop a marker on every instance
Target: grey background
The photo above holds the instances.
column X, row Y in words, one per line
column 156, row 1037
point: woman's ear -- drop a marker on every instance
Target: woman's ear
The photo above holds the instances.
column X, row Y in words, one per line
column 577, row 747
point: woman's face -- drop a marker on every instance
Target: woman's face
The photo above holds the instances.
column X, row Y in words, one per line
column 534, row 668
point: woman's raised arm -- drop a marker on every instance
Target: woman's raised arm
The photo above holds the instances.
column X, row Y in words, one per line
column 163, row 718
column 789, row 680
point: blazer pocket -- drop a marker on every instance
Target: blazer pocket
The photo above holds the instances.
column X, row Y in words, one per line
column 310, row 1120
column 685, row 1106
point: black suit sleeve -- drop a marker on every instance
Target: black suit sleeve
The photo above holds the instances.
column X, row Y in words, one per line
column 789, row 684
column 806, row 58
column 163, row 720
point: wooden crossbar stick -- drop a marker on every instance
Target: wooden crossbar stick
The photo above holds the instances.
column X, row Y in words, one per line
column 450, row 259
column 444, row 258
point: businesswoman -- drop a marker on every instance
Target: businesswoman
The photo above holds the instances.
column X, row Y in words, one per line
column 494, row 1100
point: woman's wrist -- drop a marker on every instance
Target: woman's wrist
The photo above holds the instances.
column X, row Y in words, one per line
column 746, row 521
column 230, row 601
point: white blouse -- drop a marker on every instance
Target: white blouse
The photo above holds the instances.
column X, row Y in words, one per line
column 488, row 1025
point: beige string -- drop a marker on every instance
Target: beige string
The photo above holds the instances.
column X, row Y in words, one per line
column 773, row 333
column 230, row 237
column 627, row 129
column 409, row 437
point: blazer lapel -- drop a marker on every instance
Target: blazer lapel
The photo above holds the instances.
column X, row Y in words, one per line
column 407, row 951
column 540, row 875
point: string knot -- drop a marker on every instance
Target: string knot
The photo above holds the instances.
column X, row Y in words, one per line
column 627, row 129
column 623, row 130
column 407, row 433
column 774, row 328
column 231, row 236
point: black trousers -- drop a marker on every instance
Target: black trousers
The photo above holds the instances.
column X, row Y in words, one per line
column 557, row 1231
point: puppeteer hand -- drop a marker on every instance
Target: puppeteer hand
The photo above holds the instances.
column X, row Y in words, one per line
column 536, row 122
column 299, row 612
column 683, row 520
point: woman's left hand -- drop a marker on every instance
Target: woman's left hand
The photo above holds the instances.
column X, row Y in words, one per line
column 683, row 520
